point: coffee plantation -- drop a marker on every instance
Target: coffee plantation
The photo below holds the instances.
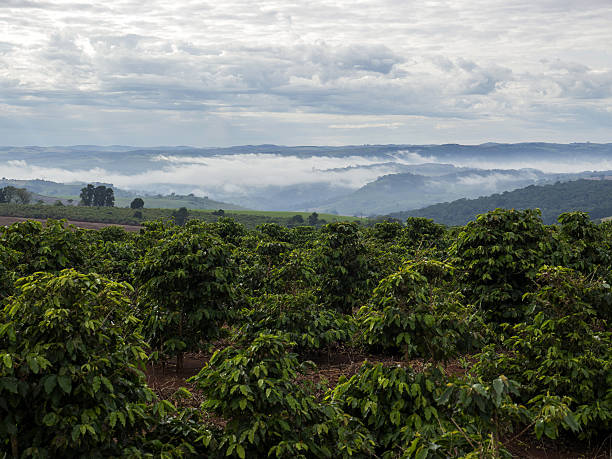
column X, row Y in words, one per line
column 343, row 341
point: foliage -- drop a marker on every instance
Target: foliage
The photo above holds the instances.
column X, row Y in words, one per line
column 583, row 245
column 416, row 414
column 298, row 317
column 50, row 247
column 304, row 283
column 10, row 194
column 8, row 262
column 500, row 254
column 229, row 230
column 267, row 413
column 186, row 289
column 137, row 203
column 184, row 433
column 99, row 196
column 342, row 265
column 423, row 231
column 70, row 381
column 414, row 311
column 564, row 350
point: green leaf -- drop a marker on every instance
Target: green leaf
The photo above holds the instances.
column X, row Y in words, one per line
column 570, row 420
column 10, row 384
column 33, row 364
column 498, row 386
column 95, row 385
column 50, row 419
column 65, row 383
column 240, row 451
column 50, row 383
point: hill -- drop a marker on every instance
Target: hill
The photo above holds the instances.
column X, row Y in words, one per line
column 353, row 179
column 68, row 193
column 593, row 196
column 409, row 190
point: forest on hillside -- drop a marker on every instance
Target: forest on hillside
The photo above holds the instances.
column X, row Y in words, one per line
column 486, row 340
column 592, row 196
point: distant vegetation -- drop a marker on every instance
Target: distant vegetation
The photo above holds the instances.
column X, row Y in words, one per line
column 71, row 194
column 10, row 194
column 592, row 196
column 97, row 196
column 128, row 216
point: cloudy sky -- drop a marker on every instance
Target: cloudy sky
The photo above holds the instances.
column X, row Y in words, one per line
column 177, row 72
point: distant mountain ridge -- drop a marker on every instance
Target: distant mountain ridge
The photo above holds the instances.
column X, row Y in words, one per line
column 351, row 179
column 593, row 196
column 406, row 191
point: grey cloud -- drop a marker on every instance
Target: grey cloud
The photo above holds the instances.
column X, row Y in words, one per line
column 449, row 62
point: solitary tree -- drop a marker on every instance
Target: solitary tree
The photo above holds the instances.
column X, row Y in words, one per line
column 313, row 219
column 180, row 216
column 137, row 203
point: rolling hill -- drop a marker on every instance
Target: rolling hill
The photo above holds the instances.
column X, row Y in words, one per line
column 593, row 196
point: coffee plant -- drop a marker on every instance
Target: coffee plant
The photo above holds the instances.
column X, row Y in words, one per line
column 499, row 255
column 342, row 266
column 186, row 290
column 414, row 414
column 70, row 371
column 49, row 247
column 517, row 314
column 268, row 412
column 300, row 318
column 563, row 349
column 414, row 311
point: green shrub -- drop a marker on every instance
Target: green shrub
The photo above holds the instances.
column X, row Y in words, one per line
column 268, row 412
column 583, row 245
column 299, row 318
column 499, row 255
column 342, row 266
column 563, row 350
column 70, row 377
column 8, row 262
column 426, row 415
column 414, row 311
column 49, row 247
column 186, row 290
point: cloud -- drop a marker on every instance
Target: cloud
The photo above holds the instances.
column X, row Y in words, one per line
column 366, row 126
column 223, row 174
column 477, row 66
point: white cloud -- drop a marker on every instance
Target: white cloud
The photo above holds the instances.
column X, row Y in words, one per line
column 229, row 173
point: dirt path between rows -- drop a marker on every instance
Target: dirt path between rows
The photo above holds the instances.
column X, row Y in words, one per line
column 6, row 221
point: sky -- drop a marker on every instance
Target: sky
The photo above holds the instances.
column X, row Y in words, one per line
column 191, row 72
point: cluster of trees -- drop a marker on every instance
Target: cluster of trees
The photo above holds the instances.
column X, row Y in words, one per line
column 11, row 194
column 83, row 311
column 97, row 196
